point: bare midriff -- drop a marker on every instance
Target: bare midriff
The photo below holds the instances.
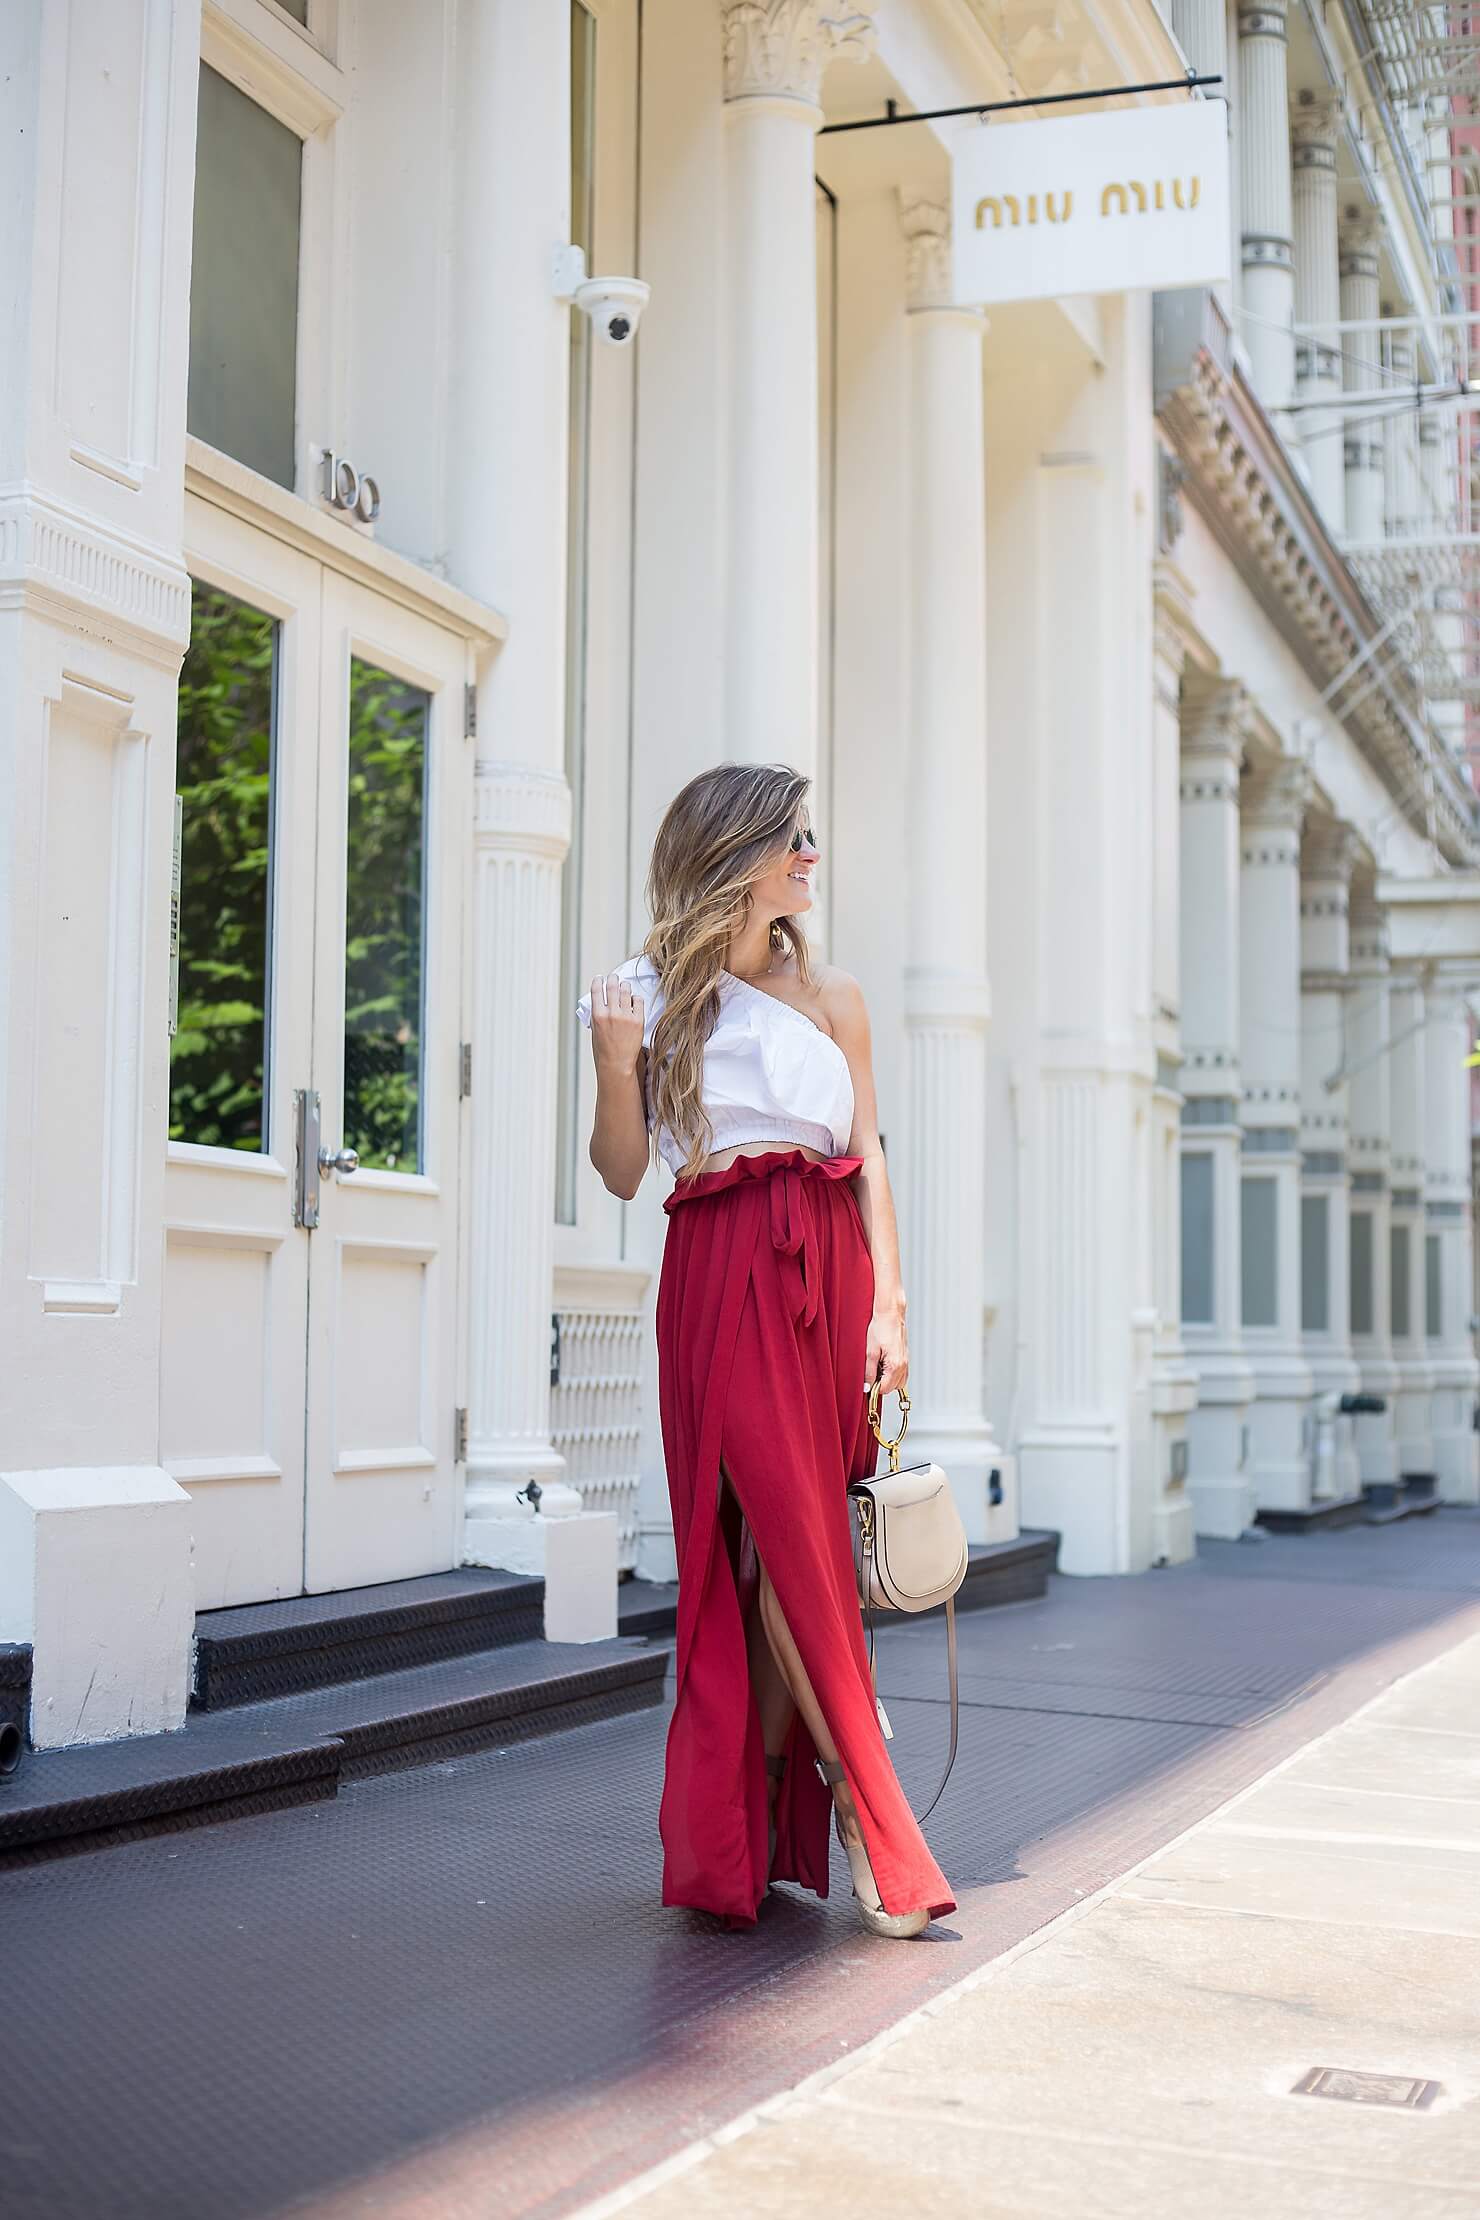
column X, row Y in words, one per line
column 722, row 1157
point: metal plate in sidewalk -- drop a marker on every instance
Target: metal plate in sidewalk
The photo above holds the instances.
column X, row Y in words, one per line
column 1350, row 2087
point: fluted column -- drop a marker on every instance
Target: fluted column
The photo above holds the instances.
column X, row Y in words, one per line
column 1448, row 1233
column 1272, row 807
column 1362, row 450
column 1369, row 1039
column 1413, row 1411
column 1214, row 724
column 1327, row 857
column 1400, row 443
column 1268, row 291
column 1173, row 1384
column 1313, row 129
column 942, row 1190
column 521, row 830
column 509, row 435
column 775, row 52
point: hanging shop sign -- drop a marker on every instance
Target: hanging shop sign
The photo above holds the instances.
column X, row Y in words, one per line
column 1114, row 203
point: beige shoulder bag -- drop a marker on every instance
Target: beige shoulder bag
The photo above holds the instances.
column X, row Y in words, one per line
column 909, row 1548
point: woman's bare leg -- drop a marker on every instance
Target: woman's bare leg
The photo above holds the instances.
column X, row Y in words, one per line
column 793, row 1673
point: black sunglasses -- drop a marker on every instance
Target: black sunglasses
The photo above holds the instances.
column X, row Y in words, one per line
column 802, row 833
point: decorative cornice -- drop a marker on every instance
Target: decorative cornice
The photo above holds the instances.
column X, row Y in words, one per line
column 1246, row 488
column 520, row 809
column 778, row 49
column 60, row 562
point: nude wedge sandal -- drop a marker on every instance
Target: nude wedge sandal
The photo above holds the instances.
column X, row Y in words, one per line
column 899, row 1925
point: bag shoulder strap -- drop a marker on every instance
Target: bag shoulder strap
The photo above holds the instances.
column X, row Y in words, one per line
column 922, row 1816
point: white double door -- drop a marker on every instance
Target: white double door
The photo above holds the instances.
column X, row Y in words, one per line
column 310, row 1364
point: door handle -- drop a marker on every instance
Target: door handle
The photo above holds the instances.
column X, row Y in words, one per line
column 338, row 1160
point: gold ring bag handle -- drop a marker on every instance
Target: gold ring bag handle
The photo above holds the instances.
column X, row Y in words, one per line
column 909, row 1544
column 886, row 1441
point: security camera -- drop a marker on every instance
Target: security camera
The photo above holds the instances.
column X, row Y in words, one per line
column 615, row 307
column 614, row 304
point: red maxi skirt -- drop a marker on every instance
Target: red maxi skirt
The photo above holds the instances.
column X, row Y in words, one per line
column 763, row 1313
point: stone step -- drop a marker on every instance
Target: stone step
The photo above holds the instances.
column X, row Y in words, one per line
column 1391, row 1500
column 255, row 1757
column 259, row 1650
column 1336, row 1510
column 996, row 1572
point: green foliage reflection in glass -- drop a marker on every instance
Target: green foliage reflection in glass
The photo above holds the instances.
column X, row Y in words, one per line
column 223, row 774
column 383, row 919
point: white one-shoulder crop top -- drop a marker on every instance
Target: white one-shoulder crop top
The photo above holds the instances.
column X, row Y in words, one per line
column 770, row 1074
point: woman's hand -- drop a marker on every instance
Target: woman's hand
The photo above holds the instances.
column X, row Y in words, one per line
column 617, row 1021
column 887, row 1352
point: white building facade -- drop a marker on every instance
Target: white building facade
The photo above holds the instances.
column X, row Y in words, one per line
column 361, row 612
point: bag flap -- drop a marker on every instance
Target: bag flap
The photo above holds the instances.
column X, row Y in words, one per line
column 891, row 1490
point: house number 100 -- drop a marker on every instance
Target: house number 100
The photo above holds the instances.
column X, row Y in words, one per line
column 353, row 491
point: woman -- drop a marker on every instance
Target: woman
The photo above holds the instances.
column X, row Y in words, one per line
column 779, row 1306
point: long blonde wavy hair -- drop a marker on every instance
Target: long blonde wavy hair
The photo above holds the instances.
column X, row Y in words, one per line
column 723, row 831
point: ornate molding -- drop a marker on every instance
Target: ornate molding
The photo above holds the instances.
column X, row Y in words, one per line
column 1247, row 489
column 1314, row 122
column 57, row 561
column 1216, row 717
column 778, row 49
column 519, row 808
column 927, row 237
column 1328, row 856
column 1275, row 798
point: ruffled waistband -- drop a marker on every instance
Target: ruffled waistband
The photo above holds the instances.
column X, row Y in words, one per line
column 760, row 1167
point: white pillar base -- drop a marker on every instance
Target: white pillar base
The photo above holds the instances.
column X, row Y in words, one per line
column 1173, row 1530
column 1071, row 1479
column 970, row 1458
column 96, row 1574
column 1413, row 1417
column 1334, row 1372
column 573, row 1551
column 1279, row 1462
column 1456, row 1444
column 1219, row 1482
column 1376, row 1432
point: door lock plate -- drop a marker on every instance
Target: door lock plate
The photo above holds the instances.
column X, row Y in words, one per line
column 306, row 1169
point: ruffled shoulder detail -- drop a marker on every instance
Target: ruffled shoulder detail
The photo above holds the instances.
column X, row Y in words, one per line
column 643, row 973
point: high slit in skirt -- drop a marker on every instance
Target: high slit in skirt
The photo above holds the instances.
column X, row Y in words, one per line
column 763, row 1311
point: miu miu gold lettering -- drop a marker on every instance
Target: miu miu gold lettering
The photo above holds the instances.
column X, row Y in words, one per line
column 1114, row 199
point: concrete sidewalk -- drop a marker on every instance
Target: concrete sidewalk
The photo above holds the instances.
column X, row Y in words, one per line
column 1140, row 2055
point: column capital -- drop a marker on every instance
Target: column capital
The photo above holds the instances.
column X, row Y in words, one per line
column 1369, row 931
column 517, row 806
column 1275, row 796
column 1361, row 236
column 1262, row 19
column 1314, row 121
column 926, row 225
column 1216, row 714
column 1329, row 852
column 778, row 49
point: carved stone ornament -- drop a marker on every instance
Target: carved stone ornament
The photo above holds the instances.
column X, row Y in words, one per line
column 779, row 49
column 1171, row 477
column 927, row 235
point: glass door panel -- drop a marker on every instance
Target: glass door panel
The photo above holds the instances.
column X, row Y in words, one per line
column 385, row 918
column 224, row 779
